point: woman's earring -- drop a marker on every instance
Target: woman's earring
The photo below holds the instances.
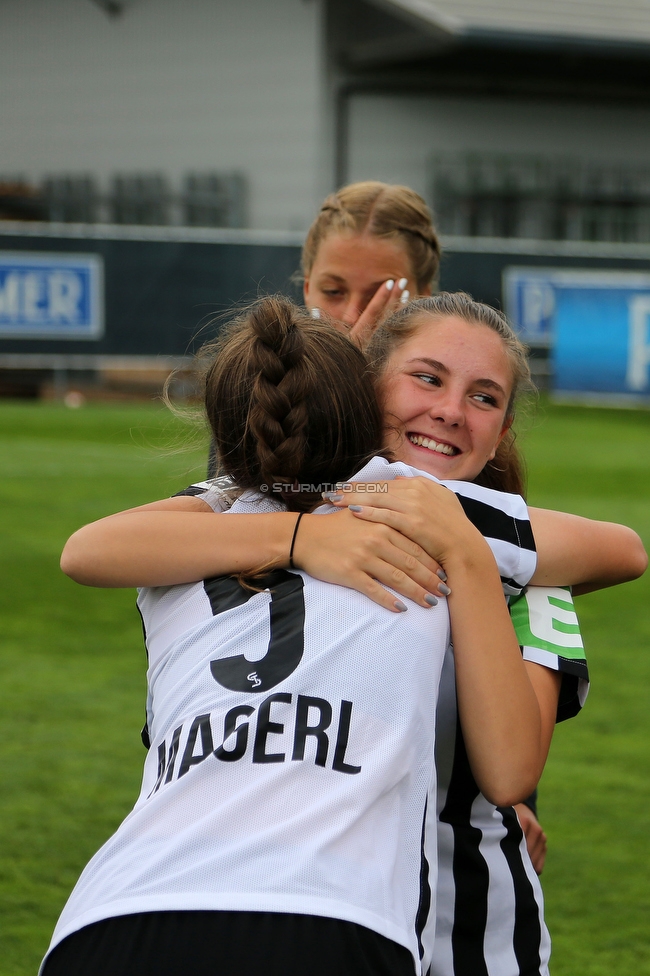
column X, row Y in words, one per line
column 315, row 313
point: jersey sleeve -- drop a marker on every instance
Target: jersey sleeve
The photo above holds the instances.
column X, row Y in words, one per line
column 502, row 518
column 548, row 631
column 216, row 492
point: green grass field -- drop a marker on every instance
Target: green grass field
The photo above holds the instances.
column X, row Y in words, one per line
column 72, row 685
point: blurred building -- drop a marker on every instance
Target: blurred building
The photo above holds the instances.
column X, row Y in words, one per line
column 163, row 111
column 516, row 118
column 524, row 118
column 160, row 161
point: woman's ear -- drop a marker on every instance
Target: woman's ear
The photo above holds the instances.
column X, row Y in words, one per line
column 504, row 430
column 305, row 291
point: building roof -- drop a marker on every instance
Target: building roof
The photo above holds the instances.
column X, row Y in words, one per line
column 600, row 22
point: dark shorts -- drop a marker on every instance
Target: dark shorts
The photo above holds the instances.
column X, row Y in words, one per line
column 227, row 944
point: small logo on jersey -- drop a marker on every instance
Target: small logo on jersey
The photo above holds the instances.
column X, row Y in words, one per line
column 252, row 677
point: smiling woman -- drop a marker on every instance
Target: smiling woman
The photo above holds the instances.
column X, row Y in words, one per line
column 451, row 372
column 456, row 411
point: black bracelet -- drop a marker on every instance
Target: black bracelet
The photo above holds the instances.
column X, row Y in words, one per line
column 293, row 540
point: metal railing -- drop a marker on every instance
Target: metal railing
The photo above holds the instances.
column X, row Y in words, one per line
column 540, row 197
column 146, row 199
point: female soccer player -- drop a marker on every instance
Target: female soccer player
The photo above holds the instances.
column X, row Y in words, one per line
column 450, row 371
column 284, row 822
column 371, row 246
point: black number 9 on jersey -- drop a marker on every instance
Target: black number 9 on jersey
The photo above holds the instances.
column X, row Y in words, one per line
column 287, row 641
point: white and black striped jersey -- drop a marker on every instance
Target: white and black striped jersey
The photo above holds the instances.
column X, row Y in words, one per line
column 490, row 908
column 292, row 732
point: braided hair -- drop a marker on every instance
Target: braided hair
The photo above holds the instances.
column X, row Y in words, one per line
column 382, row 210
column 291, row 403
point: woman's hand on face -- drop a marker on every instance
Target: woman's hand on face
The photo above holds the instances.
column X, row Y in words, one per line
column 383, row 302
column 422, row 510
column 345, row 550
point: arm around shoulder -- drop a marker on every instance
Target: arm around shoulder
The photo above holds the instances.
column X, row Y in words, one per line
column 172, row 542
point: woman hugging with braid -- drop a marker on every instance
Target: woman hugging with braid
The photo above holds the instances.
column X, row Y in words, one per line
column 287, row 818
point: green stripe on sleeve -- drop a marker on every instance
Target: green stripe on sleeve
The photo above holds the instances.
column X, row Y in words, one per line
column 544, row 617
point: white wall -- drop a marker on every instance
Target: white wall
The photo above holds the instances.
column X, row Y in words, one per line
column 393, row 138
column 171, row 86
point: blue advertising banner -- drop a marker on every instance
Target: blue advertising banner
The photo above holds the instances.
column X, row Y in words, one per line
column 597, row 323
column 57, row 296
column 530, row 303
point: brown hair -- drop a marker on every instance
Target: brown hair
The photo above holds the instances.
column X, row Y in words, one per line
column 383, row 210
column 506, row 471
column 290, row 402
